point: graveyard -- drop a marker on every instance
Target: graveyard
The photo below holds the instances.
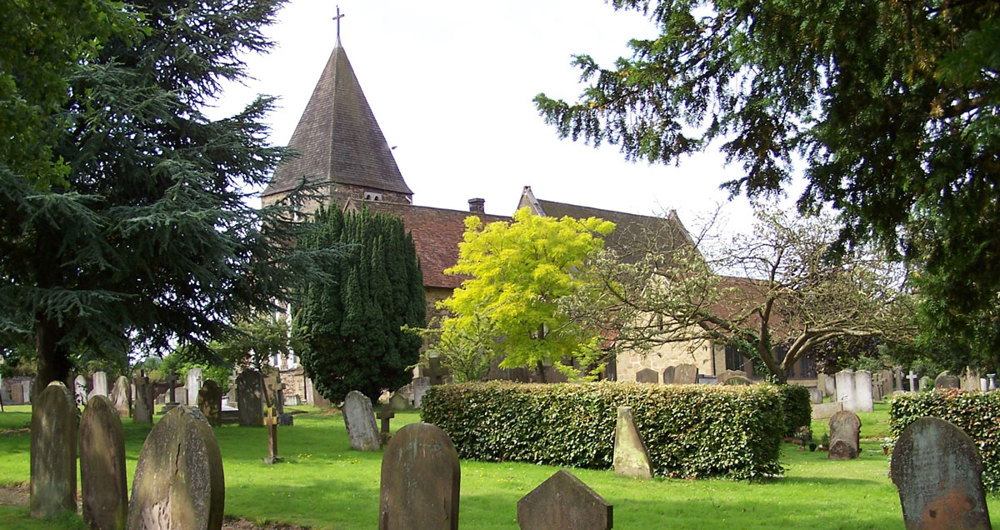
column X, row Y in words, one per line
column 323, row 483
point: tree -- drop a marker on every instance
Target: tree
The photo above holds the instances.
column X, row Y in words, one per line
column 892, row 105
column 148, row 240
column 508, row 308
column 349, row 328
column 784, row 301
column 254, row 341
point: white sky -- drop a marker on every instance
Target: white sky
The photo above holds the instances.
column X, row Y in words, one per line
column 451, row 84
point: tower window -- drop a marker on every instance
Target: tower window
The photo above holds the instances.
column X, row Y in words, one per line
column 372, row 196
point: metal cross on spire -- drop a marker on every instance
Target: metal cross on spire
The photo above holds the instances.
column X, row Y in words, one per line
column 337, row 18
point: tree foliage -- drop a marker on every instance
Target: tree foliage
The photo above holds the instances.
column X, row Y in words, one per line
column 349, row 328
column 508, row 308
column 780, row 301
column 894, row 107
column 147, row 239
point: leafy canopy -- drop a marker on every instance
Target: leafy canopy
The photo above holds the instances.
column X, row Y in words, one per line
column 508, row 308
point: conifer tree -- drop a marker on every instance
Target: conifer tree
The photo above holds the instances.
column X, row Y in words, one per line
column 349, row 329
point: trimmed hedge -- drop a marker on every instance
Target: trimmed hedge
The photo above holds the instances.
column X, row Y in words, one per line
column 690, row 430
column 975, row 413
column 797, row 405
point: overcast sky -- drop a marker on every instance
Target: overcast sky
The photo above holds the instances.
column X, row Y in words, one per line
column 451, row 84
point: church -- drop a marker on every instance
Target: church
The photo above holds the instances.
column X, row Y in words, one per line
column 344, row 157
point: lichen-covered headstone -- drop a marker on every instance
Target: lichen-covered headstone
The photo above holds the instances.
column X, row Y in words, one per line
column 359, row 417
column 53, row 452
column 946, row 380
column 815, row 395
column 121, row 396
column 420, row 480
column 210, row 402
column 647, row 376
column 631, row 458
column 250, row 398
column 668, row 375
column 179, row 480
column 564, row 501
column 103, row 485
column 420, row 386
column 685, row 374
column 195, row 378
column 845, row 426
column 142, row 412
column 80, row 389
column 938, row 471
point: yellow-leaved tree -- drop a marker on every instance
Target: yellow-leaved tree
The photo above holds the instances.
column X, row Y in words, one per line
column 508, row 307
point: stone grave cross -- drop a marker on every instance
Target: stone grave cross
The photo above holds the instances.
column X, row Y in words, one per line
column 385, row 413
column 171, row 381
column 913, row 381
column 272, row 437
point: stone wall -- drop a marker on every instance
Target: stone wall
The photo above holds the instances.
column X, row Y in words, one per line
column 658, row 359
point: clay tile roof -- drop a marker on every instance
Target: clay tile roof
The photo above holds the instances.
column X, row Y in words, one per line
column 436, row 235
column 337, row 138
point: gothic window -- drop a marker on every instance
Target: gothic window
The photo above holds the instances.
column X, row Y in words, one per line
column 734, row 361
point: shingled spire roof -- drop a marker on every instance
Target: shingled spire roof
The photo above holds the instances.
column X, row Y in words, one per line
column 338, row 139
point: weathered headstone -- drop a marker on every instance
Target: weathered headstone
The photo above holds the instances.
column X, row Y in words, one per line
column 668, row 375
column 80, row 389
column 195, row 378
column 737, row 380
column 121, row 396
column 360, row 421
column 822, row 411
column 815, row 395
column 647, row 376
column 179, row 481
column 142, row 412
column 399, row 402
column 845, row 389
column 984, row 384
column 420, row 480
column 831, row 386
column 938, row 471
column 385, row 414
column 53, row 452
column 103, row 485
column 271, row 421
column 16, row 394
column 564, row 501
column 171, row 400
column 182, row 397
column 863, row 399
column 210, row 402
column 250, row 399
column 100, row 381
column 970, row 381
column 631, row 458
column 993, row 381
column 685, row 374
column 886, row 381
column 897, row 375
column 945, row 381
column 420, row 386
column 821, row 379
column 845, row 426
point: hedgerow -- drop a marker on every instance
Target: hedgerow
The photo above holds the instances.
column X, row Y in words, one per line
column 797, row 406
column 690, row 430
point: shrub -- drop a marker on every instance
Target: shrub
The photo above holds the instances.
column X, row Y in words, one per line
column 689, row 430
column 973, row 412
column 797, row 406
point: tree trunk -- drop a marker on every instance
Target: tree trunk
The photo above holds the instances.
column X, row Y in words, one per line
column 52, row 359
column 540, row 367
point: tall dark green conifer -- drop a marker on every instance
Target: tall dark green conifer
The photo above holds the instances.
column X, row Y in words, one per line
column 349, row 328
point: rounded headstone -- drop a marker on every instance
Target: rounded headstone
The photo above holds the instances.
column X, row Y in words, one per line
column 945, row 380
column 420, row 480
column 210, row 402
column 53, row 452
column 359, row 418
column 179, row 481
column 102, row 466
column 845, row 426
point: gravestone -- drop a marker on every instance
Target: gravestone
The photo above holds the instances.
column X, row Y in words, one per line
column 100, row 381
column 822, row 411
column 821, row 379
column 993, row 381
column 435, row 371
column 179, row 481
column 564, row 501
column 360, row 421
column 420, row 480
column 210, row 402
column 886, row 379
column 420, row 386
column 16, row 394
column 399, row 402
column 53, row 452
column 631, row 458
column 121, row 397
column 737, row 380
column 647, row 375
column 938, row 471
column 80, row 389
column 845, row 426
column 685, row 374
column 271, row 421
column 897, row 375
column 142, row 412
column 385, row 414
column 171, row 392
column 912, row 378
column 815, row 395
column 984, row 385
column 945, row 381
column 249, row 398
column 103, row 485
column 925, row 384
column 195, row 378
column 668, row 375
column 845, row 389
column 830, row 388
column 863, row 399
column 182, row 397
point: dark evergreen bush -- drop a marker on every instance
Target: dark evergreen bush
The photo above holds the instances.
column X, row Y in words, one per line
column 797, row 406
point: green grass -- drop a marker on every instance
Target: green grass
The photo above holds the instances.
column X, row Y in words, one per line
column 324, row 484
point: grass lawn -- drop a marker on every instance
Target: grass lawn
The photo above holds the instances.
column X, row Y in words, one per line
column 324, row 484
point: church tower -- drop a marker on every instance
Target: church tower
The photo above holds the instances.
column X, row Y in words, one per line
column 342, row 153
